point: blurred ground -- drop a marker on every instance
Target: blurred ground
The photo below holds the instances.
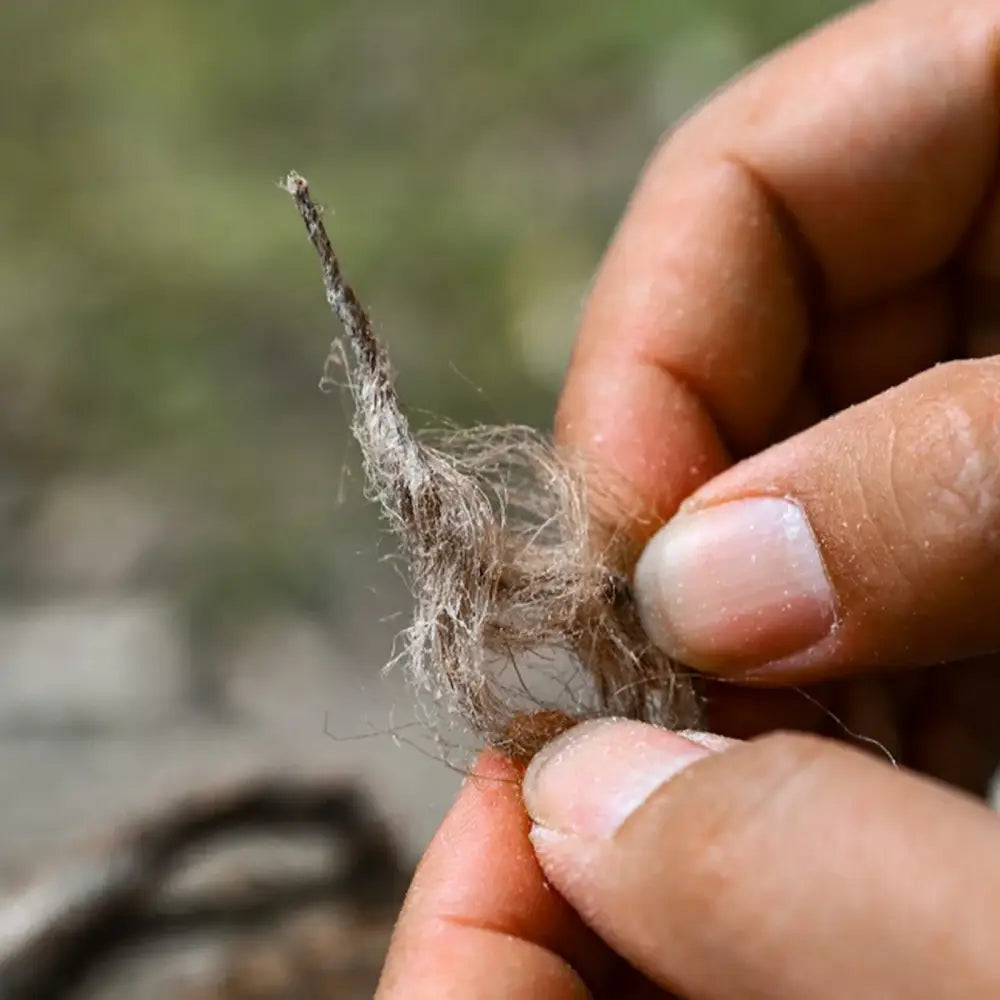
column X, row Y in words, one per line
column 190, row 580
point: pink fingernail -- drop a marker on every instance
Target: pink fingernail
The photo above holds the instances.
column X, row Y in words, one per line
column 592, row 778
column 737, row 584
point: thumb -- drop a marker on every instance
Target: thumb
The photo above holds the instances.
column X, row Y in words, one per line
column 790, row 867
column 870, row 540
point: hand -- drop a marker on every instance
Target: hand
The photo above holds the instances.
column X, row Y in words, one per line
column 790, row 868
column 820, row 234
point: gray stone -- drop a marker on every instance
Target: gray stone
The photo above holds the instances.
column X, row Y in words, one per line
column 91, row 663
column 281, row 671
column 289, row 681
column 61, row 794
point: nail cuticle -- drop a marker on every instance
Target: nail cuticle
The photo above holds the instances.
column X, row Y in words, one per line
column 820, row 653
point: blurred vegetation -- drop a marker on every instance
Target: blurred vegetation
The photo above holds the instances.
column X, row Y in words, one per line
column 161, row 313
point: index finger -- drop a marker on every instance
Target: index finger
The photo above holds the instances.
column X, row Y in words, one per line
column 847, row 167
column 480, row 920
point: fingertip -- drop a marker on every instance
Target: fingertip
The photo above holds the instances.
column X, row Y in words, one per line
column 480, row 918
column 784, row 839
column 735, row 585
column 865, row 542
column 592, row 778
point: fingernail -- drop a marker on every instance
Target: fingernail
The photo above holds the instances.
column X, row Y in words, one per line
column 735, row 585
column 588, row 781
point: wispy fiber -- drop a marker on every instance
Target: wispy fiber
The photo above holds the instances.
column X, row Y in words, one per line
column 502, row 558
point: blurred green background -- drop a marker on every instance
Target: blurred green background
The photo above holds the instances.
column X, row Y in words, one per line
column 162, row 318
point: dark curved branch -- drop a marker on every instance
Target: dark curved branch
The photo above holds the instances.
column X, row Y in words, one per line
column 55, row 928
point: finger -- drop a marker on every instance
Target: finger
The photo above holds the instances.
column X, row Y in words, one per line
column 836, row 173
column 790, row 868
column 869, row 540
column 479, row 920
column 872, row 349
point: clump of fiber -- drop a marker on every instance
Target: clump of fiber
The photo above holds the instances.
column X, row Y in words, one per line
column 502, row 556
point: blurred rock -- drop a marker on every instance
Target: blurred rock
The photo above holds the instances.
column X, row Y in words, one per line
column 94, row 663
column 161, row 969
column 288, row 681
column 326, row 953
column 280, row 670
column 93, row 534
column 259, row 859
column 59, row 793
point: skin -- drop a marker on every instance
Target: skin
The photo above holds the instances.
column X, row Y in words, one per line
column 822, row 233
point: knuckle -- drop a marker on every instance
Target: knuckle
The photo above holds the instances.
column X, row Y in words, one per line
column 934, row 482
column 961, row 453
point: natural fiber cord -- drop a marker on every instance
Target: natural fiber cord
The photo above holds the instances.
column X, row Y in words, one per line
column 501, row 554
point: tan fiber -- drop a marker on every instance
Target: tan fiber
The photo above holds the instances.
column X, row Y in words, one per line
column 501, row 556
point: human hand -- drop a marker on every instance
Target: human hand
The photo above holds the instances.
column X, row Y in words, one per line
column 791, row 868
column 822, row 232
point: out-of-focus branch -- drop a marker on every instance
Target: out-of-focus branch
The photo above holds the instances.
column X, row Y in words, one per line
column 51, row 930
